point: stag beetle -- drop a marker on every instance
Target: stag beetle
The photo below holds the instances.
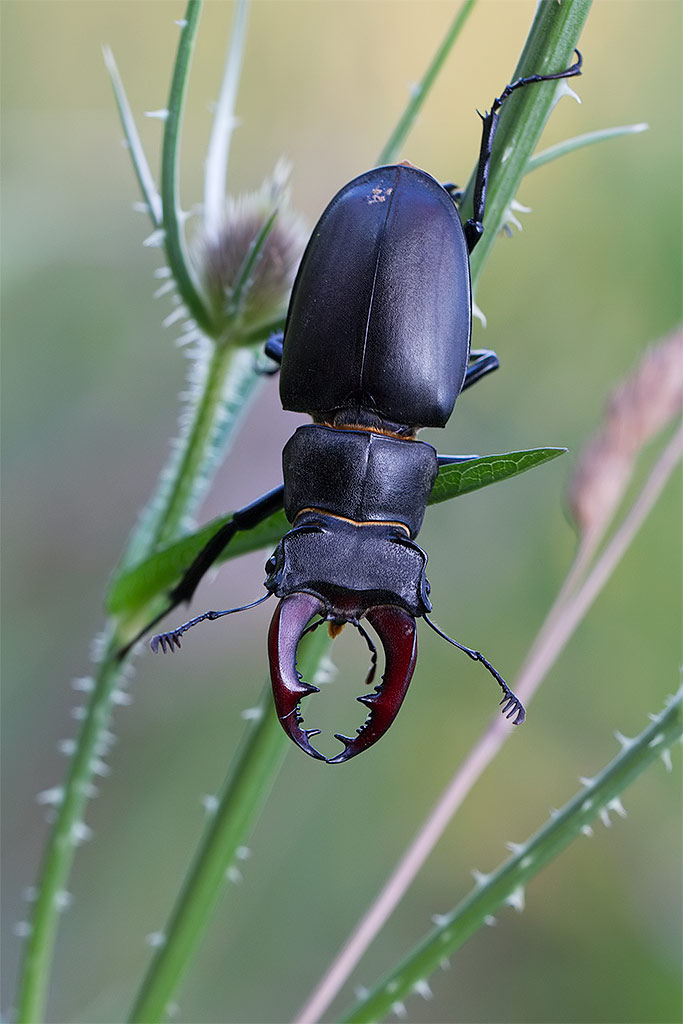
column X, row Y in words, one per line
column 376, row 345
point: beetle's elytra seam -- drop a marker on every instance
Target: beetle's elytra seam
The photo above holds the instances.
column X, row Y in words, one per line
column 353, row 522
column 380, row 241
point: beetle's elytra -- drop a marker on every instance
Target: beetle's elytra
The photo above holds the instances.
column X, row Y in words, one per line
column 376, row 345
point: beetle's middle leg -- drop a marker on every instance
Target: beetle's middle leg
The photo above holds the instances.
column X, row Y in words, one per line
column 272, row 350
column 482, row 361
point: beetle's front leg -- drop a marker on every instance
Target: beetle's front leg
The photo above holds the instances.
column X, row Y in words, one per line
column 243, row 519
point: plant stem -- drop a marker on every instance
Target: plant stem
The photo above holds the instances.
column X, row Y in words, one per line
column 227, row 383
column 61, row 846
column 244, row 794
column 176, row 251
column 392, row 147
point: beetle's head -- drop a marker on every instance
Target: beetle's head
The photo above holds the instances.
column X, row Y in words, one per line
column 328, row 569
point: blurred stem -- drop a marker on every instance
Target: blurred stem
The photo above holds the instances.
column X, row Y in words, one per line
column 224, row 124
column 391, row 150
column 228, row 382
column 244, row 794
column 60, row 850
column 506, row 884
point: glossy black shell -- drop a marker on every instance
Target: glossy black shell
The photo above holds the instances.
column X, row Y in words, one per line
column 380, row 314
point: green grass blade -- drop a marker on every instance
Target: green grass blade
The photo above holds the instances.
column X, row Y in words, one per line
column 392, row 148
column 579, row 141
column 137, row 153
column 505, row 885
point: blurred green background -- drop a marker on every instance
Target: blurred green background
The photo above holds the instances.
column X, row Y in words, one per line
column 89, row 402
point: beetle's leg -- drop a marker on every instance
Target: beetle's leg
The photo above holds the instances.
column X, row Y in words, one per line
column 454, row 191
column 474, row 227
column 511, row 704
column 171, row 640
column 243, row 519
column 273, row 350
column 482, row 361
column 272, row 353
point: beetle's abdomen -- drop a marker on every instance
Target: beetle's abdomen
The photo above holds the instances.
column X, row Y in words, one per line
column 358, row 475
column 379, row 318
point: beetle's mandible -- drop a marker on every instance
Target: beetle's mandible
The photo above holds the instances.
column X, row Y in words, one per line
column 376, row 345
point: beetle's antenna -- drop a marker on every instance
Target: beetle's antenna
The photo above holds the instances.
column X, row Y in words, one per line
column 169, row 641
column 511, row 704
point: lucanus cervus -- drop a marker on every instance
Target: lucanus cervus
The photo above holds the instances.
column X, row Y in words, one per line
column 376, row 345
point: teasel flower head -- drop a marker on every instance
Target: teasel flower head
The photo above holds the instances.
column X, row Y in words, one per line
column 248, row 262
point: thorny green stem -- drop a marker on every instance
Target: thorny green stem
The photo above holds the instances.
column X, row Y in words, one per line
column 506, row 884
column 229, row 381
column 174, row 235
column 67, row 833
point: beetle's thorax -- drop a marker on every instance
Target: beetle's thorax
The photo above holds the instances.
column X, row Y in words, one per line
column 350, row 567
column 358, row 475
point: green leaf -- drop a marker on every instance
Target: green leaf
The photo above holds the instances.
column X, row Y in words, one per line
column 463, row 477
column 392, row 148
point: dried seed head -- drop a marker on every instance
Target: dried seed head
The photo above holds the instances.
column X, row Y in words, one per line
column 249, row 285
column 649, row 399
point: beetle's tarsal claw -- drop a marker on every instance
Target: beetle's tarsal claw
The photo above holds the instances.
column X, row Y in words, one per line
column 289, row 622
column 398, row 634
column 167, row 642
column 513, row 706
